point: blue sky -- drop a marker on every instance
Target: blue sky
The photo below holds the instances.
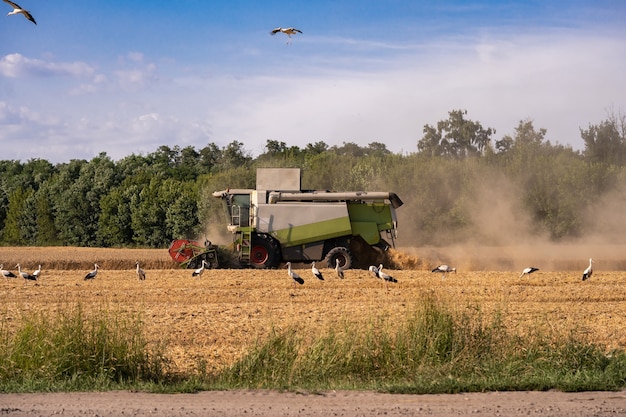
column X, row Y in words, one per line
column 126, row 77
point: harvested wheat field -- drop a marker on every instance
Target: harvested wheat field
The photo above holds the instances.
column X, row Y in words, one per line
column 213, row 319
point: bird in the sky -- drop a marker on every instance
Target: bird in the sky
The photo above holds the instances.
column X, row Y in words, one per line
column 286, row 31
column 294, row 276
column 17, row 9
column 92, row 274
column 444, row 269
column 528, row 270
column 587, row 272
column 316, row 272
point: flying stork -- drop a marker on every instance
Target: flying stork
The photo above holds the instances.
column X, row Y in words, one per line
column 17, row 9
column 587, row 272
column 338, row 269
column 141, row 274
column 6, row 274
column 200, row 270
column 294, row 276
column 528, row 271
column 316, row 272
column 444, row 269
column 286, row 31
column 25, row 275
column 92, row 274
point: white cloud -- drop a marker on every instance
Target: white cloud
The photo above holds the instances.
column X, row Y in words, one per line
column 17, row 65
column 137, row 77
column 562, row 82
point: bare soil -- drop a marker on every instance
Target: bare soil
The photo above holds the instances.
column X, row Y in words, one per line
column 340, row 403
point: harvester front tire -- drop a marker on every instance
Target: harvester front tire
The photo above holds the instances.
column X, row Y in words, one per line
column 341, row 253
column 264, row 252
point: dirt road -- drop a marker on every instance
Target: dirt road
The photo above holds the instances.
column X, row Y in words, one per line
column 340, row 403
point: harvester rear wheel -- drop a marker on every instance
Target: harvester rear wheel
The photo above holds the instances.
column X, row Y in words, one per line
column 342, row 254
column 264, row 252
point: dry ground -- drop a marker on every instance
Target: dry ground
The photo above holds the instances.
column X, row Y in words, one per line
column 217, row 317
column 345, row 404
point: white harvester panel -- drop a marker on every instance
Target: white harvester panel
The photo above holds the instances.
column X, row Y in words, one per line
column 278, row 179
column 296, row 223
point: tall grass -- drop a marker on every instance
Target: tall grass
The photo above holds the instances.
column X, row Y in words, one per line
column 434, row 350
column 75, row 351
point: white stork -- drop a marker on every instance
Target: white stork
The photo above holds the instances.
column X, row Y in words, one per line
column 528, row 271
column 444, row 269
column 141, row 274
column 200, row 270
column 286, row 31
column 374, row 271
column 316, row 272
column 294, row 276
column 384, row 275
column 25, row 275
column 338, row 269
column 17, row 9
column 37, row 272
column 587, row 272
column 92, row 274
column 6, row 274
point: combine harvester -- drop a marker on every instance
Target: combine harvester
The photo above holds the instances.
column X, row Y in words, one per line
column 278, row 222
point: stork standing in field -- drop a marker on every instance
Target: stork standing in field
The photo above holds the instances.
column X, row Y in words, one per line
column 338, row 269
column 6, row 274
column 17, row 9
column 200, row 270
column 286, row 31
column 528, row 271
column 316, row 272
column 25, row 275
column 374, row 271
column 37, row 272
column 294, row 276
column 444, row 269
column 91, row 275
column 587, row 272
column 385, row 276
column 141, row 274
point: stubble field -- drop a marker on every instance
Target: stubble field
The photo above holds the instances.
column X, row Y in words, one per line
column 213, row 319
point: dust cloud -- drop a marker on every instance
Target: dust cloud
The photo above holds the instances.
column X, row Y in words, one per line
column 501, row 236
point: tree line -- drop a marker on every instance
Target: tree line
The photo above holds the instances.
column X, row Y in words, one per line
column 459, row 173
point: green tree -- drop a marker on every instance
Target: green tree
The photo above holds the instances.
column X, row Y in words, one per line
column 233, row 155
column 78, row 190
column 47, row 234
column 606, row 141
column 455, row 137
column 13, row 233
